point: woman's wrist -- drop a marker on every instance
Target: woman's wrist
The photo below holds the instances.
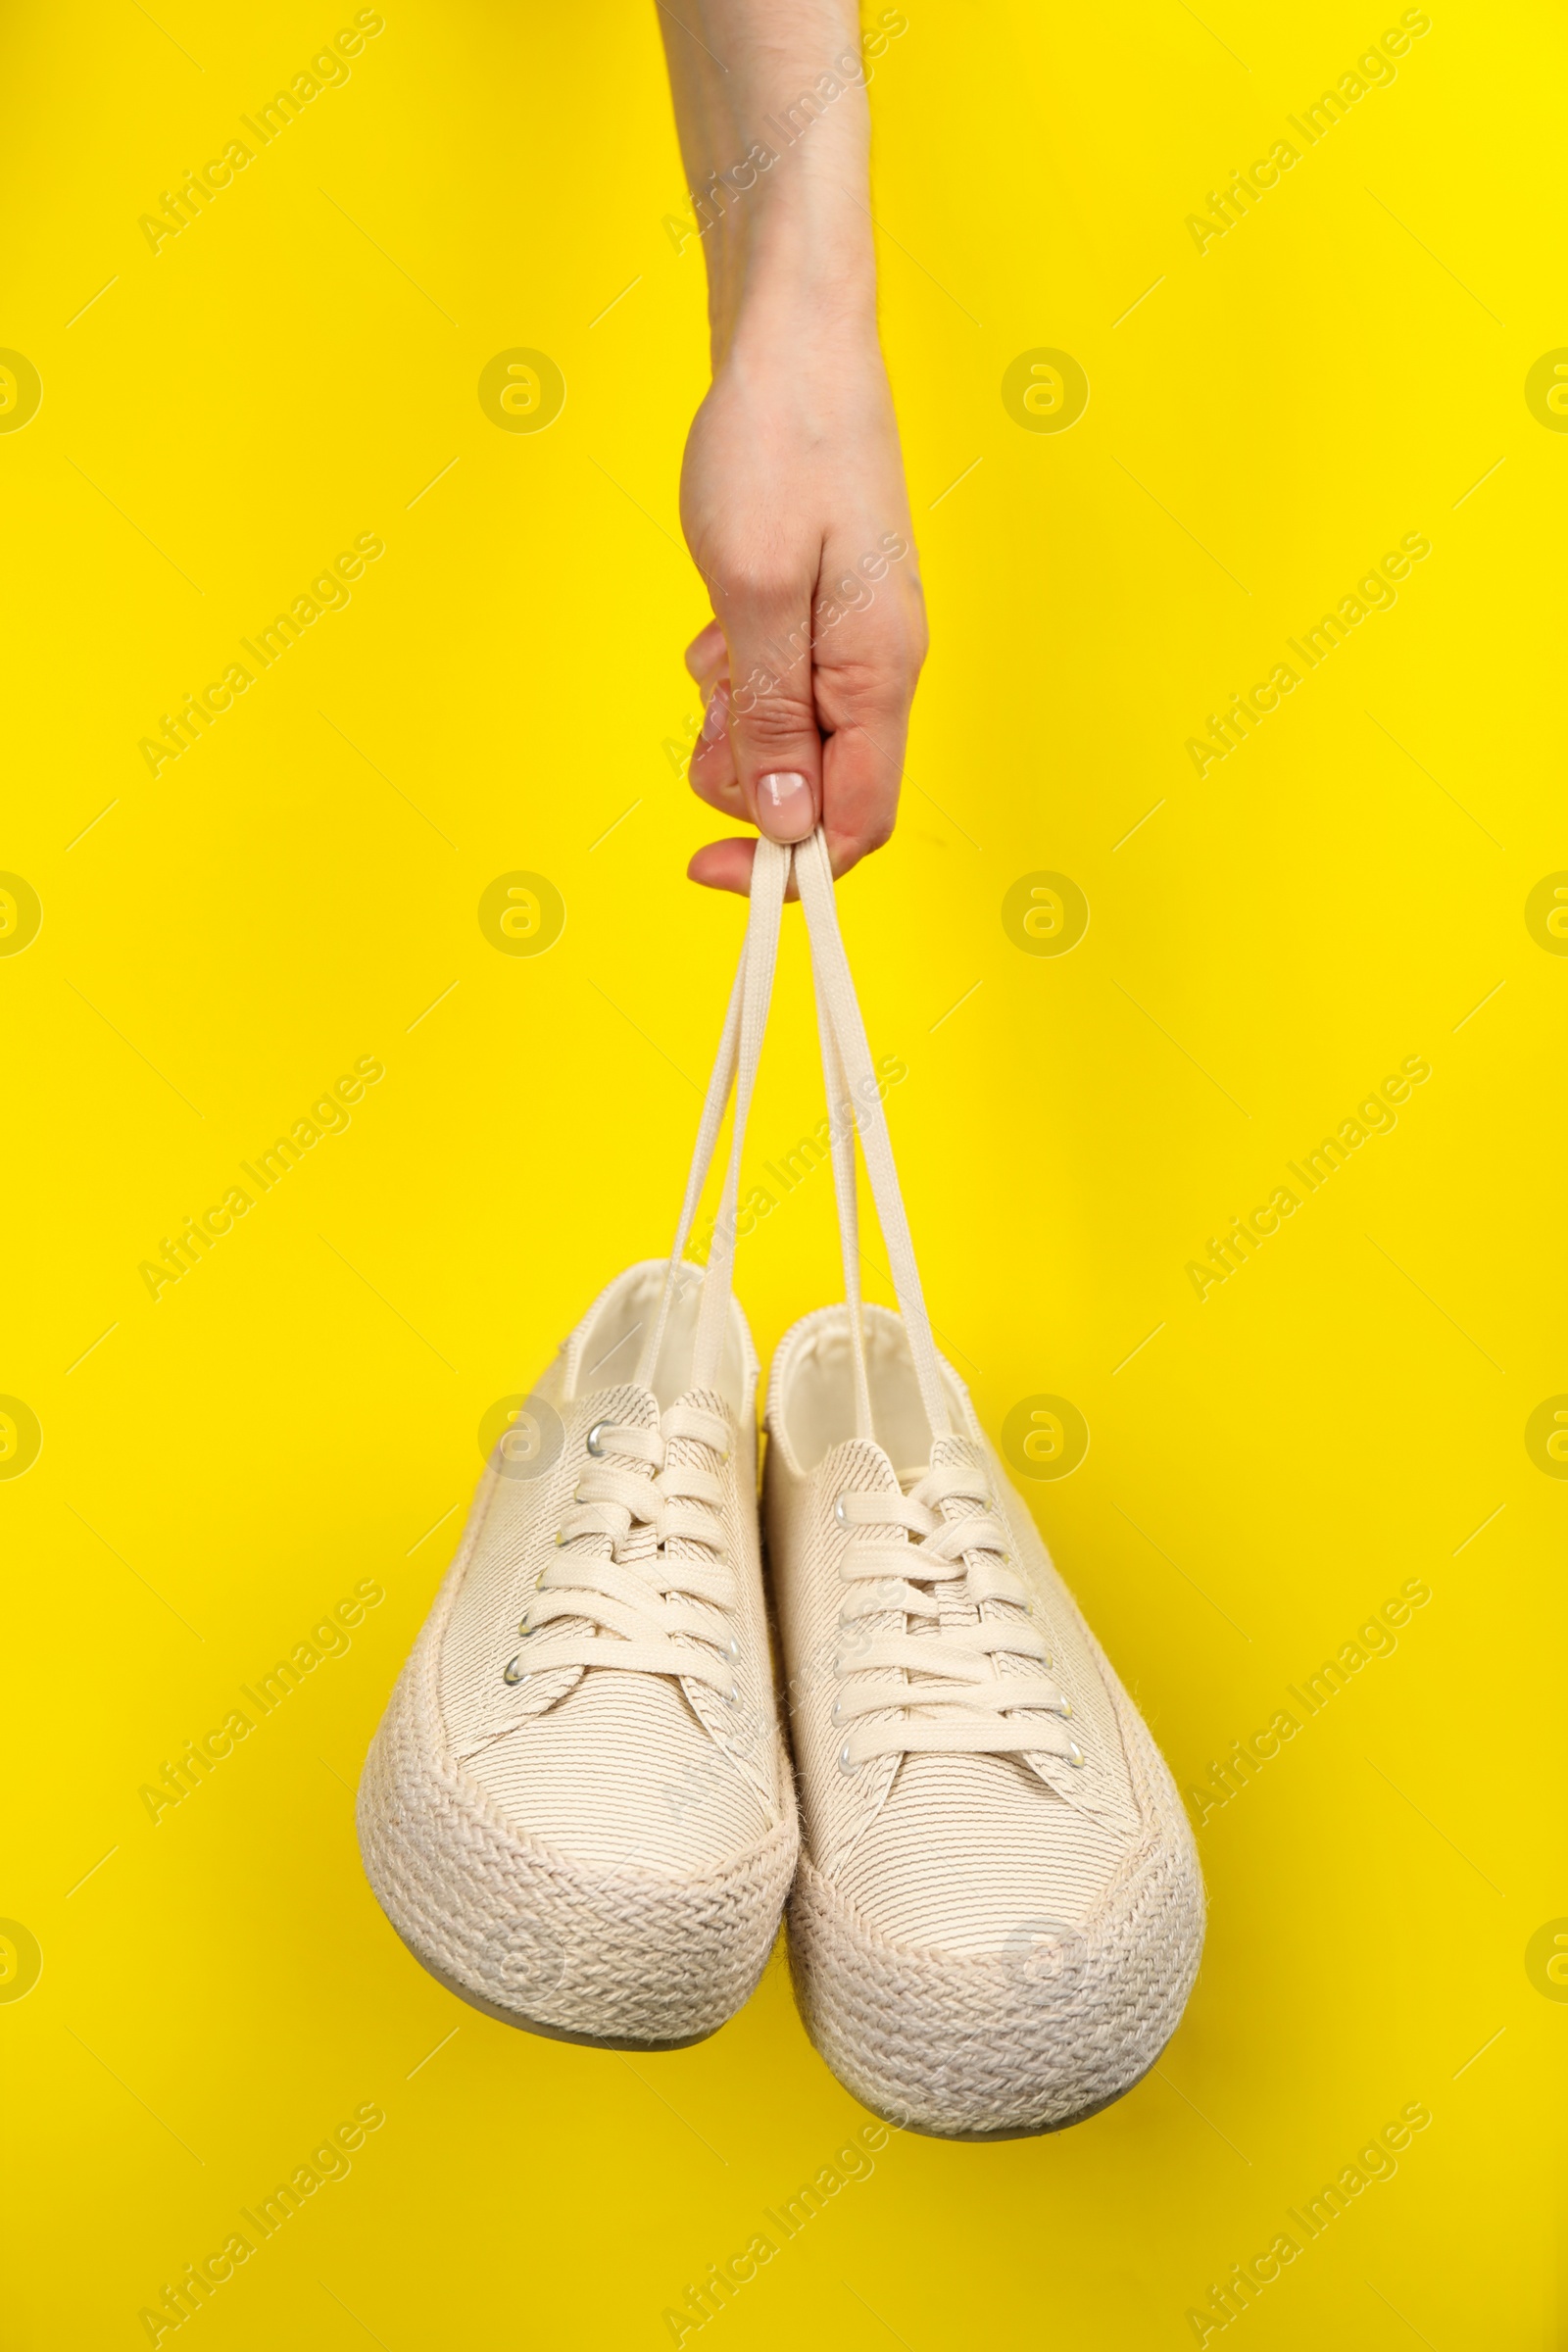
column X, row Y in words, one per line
column 794, row 246
column 776, row 137
column 815, row 285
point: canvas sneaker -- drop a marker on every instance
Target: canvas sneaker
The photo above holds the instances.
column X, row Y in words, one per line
column 578, row 1811
column 998, row 1912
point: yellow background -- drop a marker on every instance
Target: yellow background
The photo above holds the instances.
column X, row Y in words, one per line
column 300, row 1411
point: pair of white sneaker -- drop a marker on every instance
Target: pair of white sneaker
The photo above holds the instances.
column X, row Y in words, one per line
column 580, row 1812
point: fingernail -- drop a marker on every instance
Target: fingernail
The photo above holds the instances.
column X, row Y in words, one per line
column 784, row 807
column 716, row 717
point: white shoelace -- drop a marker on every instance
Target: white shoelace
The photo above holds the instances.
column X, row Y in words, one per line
column 851, row 1079
column 640, row 1580
column 974, row 1674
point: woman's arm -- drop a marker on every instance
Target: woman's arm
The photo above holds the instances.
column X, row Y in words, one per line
column 792, row 492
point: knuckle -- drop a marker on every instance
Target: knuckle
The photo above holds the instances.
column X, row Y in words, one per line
column 776, row 719
column 762, row 582
column 879, row 687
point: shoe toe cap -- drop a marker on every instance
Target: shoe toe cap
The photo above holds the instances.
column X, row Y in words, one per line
column 597, row 1950
column 1058, row 2022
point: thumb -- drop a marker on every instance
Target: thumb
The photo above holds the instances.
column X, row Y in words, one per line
column 774, row 737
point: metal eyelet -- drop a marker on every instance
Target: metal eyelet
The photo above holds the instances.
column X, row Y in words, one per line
column 594, row 1447
column 1076, row 1757
column 509, row 1674
column 839, row 1511
column 1064, row 1708
column 845, row 1766
column 836, row 1716
column 732, row 1650
column 732, row 1696
column 561, row 1534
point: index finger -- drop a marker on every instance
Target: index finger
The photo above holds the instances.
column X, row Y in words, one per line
column 706, row 656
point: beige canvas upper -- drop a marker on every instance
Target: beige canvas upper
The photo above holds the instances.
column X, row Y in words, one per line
column 957, row 1850
column 618, row 1769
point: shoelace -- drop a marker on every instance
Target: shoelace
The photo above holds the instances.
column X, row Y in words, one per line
column 976, row 1675
column 640, row 1580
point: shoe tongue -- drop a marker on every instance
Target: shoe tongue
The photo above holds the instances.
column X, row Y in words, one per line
column 635, row 1406
column 947, row 1453
column 691, row 1453
column 708, row 1401
column 956, row 1452
column 861, row 1466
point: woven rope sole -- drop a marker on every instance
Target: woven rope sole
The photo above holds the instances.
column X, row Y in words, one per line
column 1006, row 2048
column 614, row 1957
column 533, row 2025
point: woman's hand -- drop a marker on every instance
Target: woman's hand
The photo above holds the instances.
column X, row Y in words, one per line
column 792, row 493
column 792, row 504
